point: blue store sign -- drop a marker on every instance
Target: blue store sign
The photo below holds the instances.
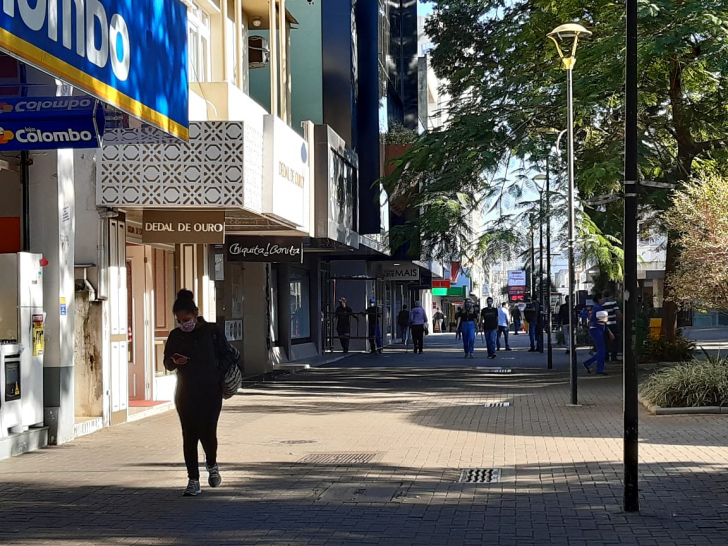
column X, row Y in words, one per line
column 131, row 54
column 49, row 123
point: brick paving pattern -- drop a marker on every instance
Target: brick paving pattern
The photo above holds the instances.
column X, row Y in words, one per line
column 414, row 421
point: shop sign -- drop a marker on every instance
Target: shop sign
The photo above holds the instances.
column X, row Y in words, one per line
column 517, row 278
column 516, row 293
column 441, row 283
column 183, row 226
column 286, row 176
column 131, row 54
column 50, row 123
column 401, row 272
column 264, row 249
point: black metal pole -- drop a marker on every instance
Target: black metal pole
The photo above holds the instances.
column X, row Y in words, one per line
column 25, row 192
column 630, row 386
column 549, row 313
column 540, row 250
column 574, row 371
column 533, row 261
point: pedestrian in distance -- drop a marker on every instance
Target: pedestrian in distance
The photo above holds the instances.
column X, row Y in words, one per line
column 530, row 313
column 504, row 322
column 418, row 324
column 564, row 321
column 373, row 314
column 540, row 326
column 489, row 320
column 467, row 322
column 403, row 323
column 344, row 314
column 612, row 333
column 516, row 314
column 437, row 321
column 458, row 330
column 201, row 355
column 597, row 330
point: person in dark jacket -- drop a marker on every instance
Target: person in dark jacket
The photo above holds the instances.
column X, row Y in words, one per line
column 516, row 315
column 489, row 318
column 374, row 314
column 403, row 323
column 533, row 309
column 564, row 320
column 458, row 330
column 344, row 314
column 197, row 349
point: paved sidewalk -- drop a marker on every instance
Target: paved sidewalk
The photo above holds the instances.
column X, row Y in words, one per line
column 406, row 424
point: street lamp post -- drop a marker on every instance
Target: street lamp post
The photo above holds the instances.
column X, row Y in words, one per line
column 565, row 33
column 549, row 313
column 631, row 502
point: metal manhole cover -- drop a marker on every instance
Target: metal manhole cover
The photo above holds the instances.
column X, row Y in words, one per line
column 497, row 404
column 297, row 442
column 480, row 475
column 494, row 370
column 338, row 458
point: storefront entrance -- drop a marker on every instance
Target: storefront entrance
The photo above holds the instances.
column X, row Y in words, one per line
column 151, row 290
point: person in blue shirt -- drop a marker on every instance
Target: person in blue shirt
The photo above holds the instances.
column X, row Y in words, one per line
column 597, row 331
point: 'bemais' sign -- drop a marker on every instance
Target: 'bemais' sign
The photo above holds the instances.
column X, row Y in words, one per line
column 401, row 272
column 178, row 227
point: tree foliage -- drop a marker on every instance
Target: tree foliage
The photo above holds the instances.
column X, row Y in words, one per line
column 505, row 81
column 699, row 217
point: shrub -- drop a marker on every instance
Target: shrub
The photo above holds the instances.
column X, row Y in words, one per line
column 662, row 350
column 687, row 385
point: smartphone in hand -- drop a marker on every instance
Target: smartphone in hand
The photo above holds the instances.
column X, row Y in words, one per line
column 180, row 359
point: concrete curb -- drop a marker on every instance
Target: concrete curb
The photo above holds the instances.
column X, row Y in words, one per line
column 701, row 410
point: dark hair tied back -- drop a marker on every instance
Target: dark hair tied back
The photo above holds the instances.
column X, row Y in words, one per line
column 185, row 302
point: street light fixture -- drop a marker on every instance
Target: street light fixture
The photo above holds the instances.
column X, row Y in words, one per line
column 569, row 35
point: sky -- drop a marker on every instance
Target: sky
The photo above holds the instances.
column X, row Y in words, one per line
column 424, row 8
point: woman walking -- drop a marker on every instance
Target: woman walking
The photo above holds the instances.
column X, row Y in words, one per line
column 201, row 354
column 467, row 323
column 418, row 323
column 597, row 330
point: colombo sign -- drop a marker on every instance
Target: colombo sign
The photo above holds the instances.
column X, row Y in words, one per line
column 133, row 57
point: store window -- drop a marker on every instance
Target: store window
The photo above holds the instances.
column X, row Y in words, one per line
column 299, row 301
column 274, row 304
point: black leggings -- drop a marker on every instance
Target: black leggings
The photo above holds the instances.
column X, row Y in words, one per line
column 418, row 336
column 199, row 425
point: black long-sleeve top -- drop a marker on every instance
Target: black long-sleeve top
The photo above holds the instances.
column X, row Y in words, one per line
column 200, row 379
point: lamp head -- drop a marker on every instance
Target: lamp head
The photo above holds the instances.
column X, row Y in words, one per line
column 570, row 34
column 569, row 31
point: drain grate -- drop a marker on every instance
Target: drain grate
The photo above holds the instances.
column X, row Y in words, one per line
column 480, row 475
column 338, row 458
column 497, row 404
column 495, row 370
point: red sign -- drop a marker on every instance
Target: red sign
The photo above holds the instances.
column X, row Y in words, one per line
column 516, row 293
column 441, row 284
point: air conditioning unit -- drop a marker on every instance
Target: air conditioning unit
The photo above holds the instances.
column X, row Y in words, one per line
column 258, row 52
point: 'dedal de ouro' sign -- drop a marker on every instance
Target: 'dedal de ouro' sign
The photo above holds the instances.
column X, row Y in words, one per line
column 264, row 249
column 131, row 54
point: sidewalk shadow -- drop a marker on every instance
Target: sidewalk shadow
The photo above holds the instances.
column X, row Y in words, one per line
column 292, row 503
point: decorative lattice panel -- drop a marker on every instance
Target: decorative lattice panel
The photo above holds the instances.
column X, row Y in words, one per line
column 221, row 166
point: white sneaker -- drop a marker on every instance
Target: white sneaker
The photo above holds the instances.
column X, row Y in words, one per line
column 193, row 489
